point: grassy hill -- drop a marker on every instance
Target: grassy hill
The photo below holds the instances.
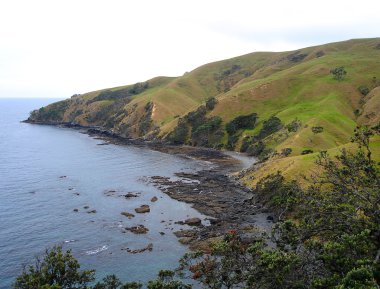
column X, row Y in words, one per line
column 282, row 107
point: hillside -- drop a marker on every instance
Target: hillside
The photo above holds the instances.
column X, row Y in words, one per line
column 282, row 107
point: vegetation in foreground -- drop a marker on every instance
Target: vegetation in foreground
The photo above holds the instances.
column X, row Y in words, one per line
column 327, row 236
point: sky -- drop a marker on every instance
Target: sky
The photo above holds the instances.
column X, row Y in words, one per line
column 57, row 48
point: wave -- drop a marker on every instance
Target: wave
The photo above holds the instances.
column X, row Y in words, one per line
column 97, row 250
column 69, row 241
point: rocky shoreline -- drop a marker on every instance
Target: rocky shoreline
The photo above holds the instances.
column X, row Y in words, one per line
column 214, row 192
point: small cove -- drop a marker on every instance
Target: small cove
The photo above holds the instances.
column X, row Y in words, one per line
column 46, row 172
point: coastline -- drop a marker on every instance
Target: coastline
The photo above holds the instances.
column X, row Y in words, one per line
column 214, row 192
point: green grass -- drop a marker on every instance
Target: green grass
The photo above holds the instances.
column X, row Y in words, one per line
column 269, row 84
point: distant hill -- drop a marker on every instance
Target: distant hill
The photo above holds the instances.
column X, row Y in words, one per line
column 282, row 107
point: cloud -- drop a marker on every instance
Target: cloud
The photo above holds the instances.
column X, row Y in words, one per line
column 58, row 48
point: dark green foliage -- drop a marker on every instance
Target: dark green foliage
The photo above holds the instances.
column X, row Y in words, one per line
column 121, row 93
column 210, row 103
column 276, row 193
column 296, row 57
column 271, row 125
column 255, row 146
column 109, row 282
column 108, row 113
column 207, row 133
column 338, row 73
column 320, row 53
column 332, row 240
column 364, row 90
column 307, row 151
column 375, row 82
column 197, row 117
column 231, row 141
column 256, row 149
column 294, row 125
column 234, row 264
column 359, row 278
column 113, row 282
column 286, row 152
column 180, row 133
column 57, row 269
column 51, row 113
column 146, row 122
column 204, row 131
column 229, row 77
column 317, row 129
column 231, row 70
column 241, row 122
column 234, row 128
column 166, row 280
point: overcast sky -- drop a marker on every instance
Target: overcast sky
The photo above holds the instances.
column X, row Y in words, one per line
column 51, row 48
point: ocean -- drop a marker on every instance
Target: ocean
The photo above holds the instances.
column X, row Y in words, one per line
column 47, row 172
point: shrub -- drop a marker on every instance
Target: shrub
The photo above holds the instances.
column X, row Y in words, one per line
column 286, row 152
column 231, row 142
column 338, row 73
column 317, row 129
column 294, row 125
column 57, row 269
column 271, row 125
column 320, row 53
column 364, row 90
column 296, row 57
column 210, row 103
column 307, row 151
column 180, row 133
column 241, row 122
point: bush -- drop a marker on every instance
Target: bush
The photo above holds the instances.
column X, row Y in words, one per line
column 137, row 88
column 210, row 103
column 338, row 73
column 294, row 125
column 364, row 90
column 306, row 152
column 180, row 133
column 271, row 125
column 317, row 129
column 286, row 152
column 241, row 122
column 231, row 142
column 320, row 53
column 296, row 57
column 57, row 269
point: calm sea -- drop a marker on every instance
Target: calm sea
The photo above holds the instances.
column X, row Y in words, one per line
column 37, row 201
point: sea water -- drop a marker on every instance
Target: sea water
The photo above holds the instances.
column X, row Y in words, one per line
column 47, row 172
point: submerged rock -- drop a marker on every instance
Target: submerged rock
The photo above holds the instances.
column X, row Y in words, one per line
column 185, row 233
column 128, row 215
column 147, row 248
column 193, row 222
column 185, row 240
column 139, row 229
column 131, row 195
column 154, row 199
column 91, row 212
column 143, row 209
